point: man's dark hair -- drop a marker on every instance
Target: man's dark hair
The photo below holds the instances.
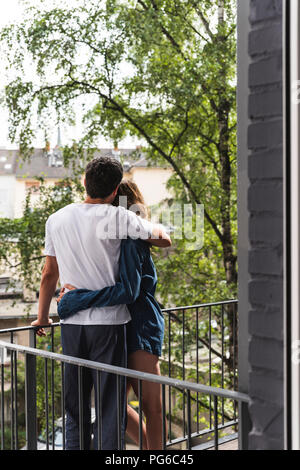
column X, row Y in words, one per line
column 102, row 176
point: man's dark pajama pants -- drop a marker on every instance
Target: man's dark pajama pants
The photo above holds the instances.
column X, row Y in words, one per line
column 99, row 343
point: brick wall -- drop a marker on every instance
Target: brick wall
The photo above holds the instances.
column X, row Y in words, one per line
column 265, row 204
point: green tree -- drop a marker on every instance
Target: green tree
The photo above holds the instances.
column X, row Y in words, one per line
column 162, row 70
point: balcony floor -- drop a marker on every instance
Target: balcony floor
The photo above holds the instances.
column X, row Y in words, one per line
column 231, row 445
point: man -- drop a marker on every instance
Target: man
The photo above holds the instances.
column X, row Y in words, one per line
column 81, row 250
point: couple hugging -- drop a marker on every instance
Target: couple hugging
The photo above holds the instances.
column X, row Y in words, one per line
column 100, row 252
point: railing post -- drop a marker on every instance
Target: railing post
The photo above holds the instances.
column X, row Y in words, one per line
column 244, row 425
column 32, row 338
column 30, row 402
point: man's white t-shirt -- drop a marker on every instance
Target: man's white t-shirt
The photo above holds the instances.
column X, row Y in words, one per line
column 86, row 240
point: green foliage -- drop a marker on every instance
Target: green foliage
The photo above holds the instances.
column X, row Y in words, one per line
column 164, row 72
column 53, row 386
column 161, row 70
column 20, row 405
column 186, row 357
column 185, row 278
column 21, row 438
column 22, row 240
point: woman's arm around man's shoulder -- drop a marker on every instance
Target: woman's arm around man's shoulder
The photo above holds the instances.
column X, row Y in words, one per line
column 159, row 237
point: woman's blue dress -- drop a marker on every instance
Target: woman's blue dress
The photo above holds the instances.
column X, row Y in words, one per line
column 136, row 288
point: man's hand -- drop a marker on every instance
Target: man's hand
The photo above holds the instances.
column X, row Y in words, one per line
column 41, row 331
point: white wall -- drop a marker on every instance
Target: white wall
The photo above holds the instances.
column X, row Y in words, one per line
column 20, row 194
column 152, row 183
column 7, row 195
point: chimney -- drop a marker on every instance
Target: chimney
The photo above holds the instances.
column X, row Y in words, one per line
column 116, row 152
column 58, row 145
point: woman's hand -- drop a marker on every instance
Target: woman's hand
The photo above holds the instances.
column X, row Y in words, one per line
column 64, row 290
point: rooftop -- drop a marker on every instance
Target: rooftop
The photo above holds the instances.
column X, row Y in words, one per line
column 49, row 164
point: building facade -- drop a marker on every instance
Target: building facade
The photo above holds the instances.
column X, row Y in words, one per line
column 16, row 176
column 7, row 182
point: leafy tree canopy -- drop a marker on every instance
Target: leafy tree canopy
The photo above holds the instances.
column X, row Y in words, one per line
column 161, row 70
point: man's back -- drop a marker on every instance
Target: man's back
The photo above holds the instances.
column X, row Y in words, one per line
column 81, row 253
column 85, row 260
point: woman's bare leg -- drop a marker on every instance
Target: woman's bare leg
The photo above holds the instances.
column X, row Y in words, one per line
column 133, row 423
column 151, row 396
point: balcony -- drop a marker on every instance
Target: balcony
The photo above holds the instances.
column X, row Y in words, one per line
column 201, row 406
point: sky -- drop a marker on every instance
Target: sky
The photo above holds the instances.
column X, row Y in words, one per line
column 11, row 12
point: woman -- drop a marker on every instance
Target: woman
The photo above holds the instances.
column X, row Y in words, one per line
column 136, row 288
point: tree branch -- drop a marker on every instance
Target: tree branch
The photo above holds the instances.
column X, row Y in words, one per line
column 178, row 48
column 181, row 134
column 204, row 22
column 31, row 259
column 118, row 108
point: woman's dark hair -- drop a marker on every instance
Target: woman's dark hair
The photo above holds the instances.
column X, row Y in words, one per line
column 134, row 197
column 102, row 176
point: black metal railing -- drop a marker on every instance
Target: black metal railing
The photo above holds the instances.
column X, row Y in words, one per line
column 198, row 363
column 201, row 345
column 30, row 354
